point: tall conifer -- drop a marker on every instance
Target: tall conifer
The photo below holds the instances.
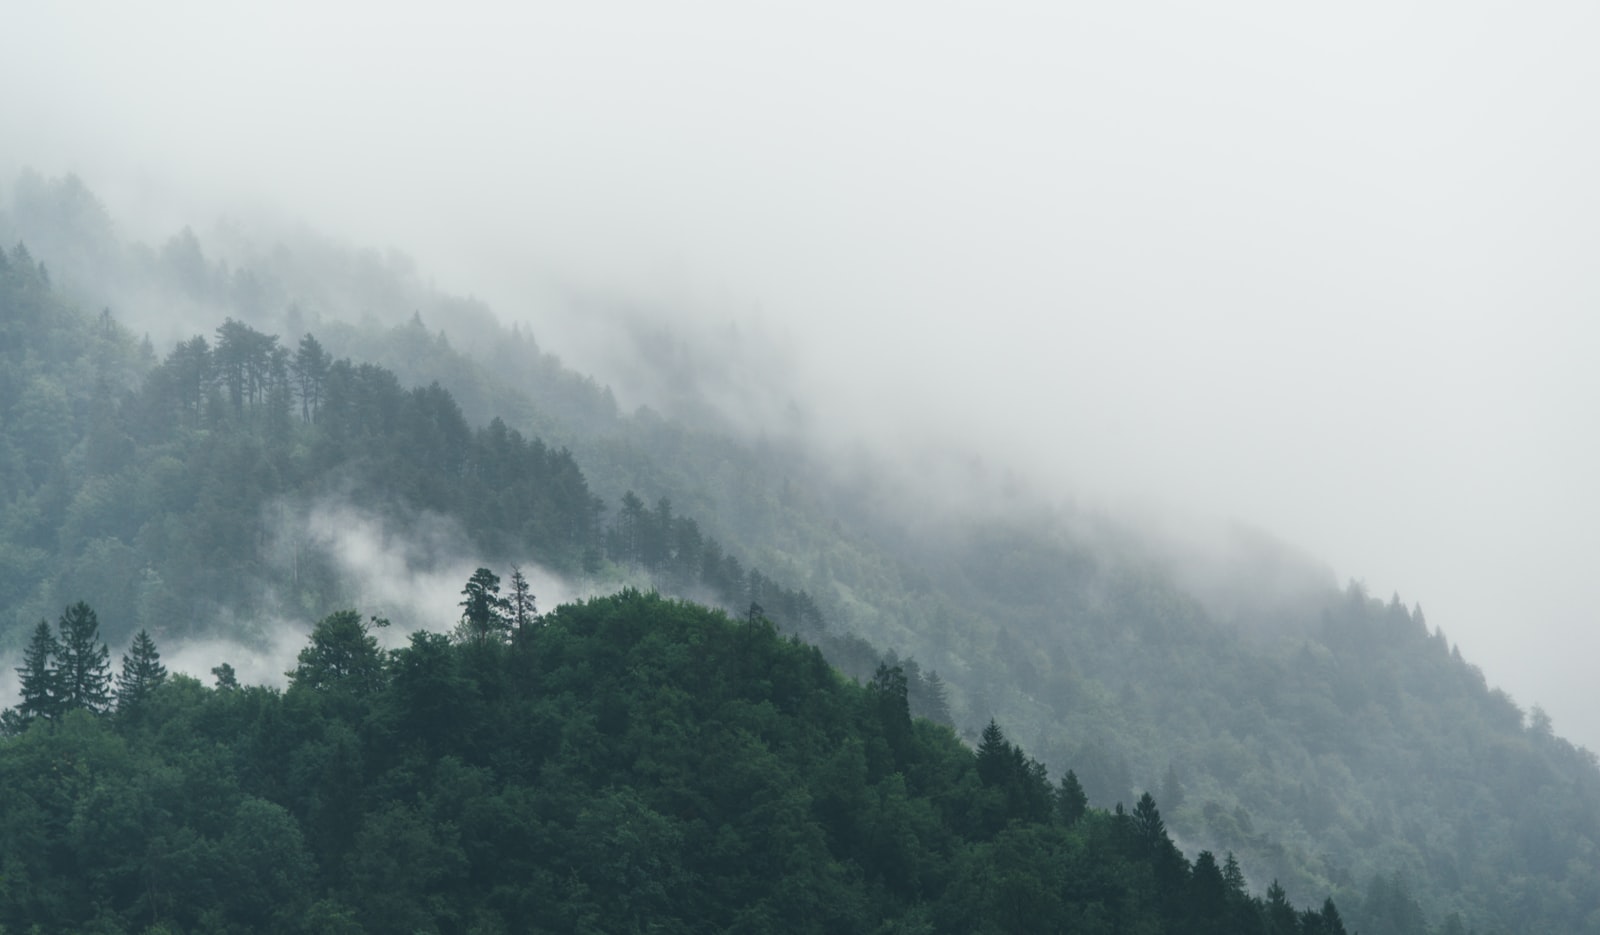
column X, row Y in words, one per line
column 141, row 672
column 41, row 680
column 85, row 667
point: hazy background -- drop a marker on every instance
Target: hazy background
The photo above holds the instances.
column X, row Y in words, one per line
column 1330, row 272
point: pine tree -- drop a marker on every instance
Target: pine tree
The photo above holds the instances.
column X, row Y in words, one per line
column 935, row 699
column 141, row 672
column 41, row 680
column 1071, row 802
column 994, row 756
column 1281, row 917
column 227, row 679
column 1331, row 923
column 483, row 610
column 520, row 603
column 888, row 691
column 1233, row 876
column 1148, row 828
column 85, row 668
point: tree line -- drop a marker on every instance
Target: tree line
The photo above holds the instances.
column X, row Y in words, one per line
column 625, row 763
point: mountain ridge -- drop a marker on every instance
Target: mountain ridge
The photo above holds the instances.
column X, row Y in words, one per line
column 1108, row 664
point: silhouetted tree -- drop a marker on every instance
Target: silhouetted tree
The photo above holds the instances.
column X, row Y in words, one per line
column 85, row 662
column 994, row 756
column 310, row 369
column 227, row 679
column 888, row 692
column 1281, row 917
column 141, row 672
column 41, row 681
column 520, row 602
column 483, row 610
column 1071, row 803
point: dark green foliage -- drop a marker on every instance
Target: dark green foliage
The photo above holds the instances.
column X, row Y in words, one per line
column 41, row 680
column 142, row 672
column 83, row 666
column 484, row 613
column 1071, row 803
column 1330, row 742
column 520, row 610
column 644, row 764
column 227, row 679
column 994, row 756
column 343, row 657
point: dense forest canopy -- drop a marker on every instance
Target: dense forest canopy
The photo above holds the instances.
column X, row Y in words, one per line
column 624, row 764
column 1332, row 741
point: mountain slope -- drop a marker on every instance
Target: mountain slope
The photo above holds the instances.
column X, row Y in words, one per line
column 624, row 764
column 1333, row 741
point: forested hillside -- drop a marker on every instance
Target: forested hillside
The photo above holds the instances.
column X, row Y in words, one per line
column 1332, row 741
column 627, row 764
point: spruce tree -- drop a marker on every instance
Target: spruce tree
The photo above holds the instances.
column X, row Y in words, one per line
column 41, row 679
column 85, row 667
column 1148, row 828
column 141, row 672
column 994, row 756
column 520, row 603
column 1281, row 917
column 1233, row 876
column 1071, row 802
column 1332, row 924
column 888, row 690
column 483, row 610
column 935, row 699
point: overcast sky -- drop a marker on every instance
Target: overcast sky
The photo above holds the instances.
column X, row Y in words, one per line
column 1330, row 270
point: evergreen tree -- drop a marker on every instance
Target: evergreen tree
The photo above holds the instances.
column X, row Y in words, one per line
column 310, row 366
column 1332, row 924
column 1233, row 877
column 227, row 679
column 1207, row 896
column 994, row 756
column 935, row 699
column 141, row 672
column 888, row 693
column 85, row 667
column 483, row 610
column 41, row 680
column 520, row 602
column 1071, row 802
column 1281, row 917
column 1148, row 828
column 628, row 536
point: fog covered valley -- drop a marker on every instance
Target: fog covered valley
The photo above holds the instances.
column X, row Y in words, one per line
column 765, row 680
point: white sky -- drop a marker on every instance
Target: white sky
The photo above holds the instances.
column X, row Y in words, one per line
column 1327, row 270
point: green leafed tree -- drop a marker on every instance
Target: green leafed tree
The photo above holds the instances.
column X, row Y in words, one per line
column 141, row 672
column 84, row 670
column 343, row 656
